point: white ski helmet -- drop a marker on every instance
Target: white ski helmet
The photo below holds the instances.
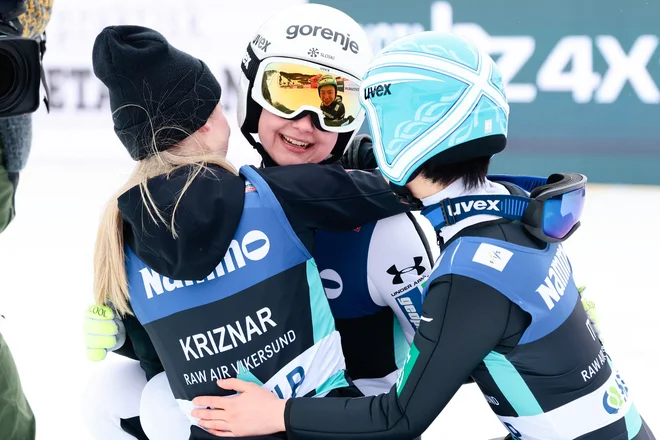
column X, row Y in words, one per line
column 317, row 36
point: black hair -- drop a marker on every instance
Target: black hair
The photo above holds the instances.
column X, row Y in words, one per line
column 472, row 171
column 450, row 165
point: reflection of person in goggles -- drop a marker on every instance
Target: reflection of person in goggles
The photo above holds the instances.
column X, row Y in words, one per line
column 330, row 101
column 292, row 88
column 279, row 96
column 292, row 126
column 281, row 109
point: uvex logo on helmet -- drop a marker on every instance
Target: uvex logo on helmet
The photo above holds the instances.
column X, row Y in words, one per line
column 380, row 90
column 261, row 43
column 306, row 30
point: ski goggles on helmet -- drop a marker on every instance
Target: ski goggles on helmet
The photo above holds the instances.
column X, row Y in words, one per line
column 551, row 213
column 289, row 88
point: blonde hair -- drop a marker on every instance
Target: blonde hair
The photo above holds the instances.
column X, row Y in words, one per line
column 110, row 280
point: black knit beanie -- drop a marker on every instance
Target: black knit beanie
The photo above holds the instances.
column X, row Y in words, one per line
column 156, row 91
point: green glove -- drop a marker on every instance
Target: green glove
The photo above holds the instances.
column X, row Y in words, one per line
column 104, row 332
column 590, row 307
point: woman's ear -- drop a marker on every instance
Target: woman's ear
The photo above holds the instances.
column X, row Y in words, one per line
column 205, row 128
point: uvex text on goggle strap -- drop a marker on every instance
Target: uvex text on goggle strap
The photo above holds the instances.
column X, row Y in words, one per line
column 288, row 88
column 551, row 213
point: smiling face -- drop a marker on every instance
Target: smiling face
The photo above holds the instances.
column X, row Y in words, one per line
column 327, row 94
column 291, row 142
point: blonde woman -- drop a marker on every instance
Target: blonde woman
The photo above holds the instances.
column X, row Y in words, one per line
column 216, row 265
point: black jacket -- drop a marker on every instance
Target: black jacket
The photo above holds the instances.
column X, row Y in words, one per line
column 471, row 319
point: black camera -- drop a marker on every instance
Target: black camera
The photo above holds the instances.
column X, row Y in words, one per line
column 20, row 75
column 22, row 46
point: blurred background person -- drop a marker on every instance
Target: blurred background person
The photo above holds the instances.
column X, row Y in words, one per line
column 22, row 27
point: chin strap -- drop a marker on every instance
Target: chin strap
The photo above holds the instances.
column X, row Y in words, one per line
column 266, row 160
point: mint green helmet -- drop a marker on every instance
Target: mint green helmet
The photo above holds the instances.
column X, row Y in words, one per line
column 429, row 93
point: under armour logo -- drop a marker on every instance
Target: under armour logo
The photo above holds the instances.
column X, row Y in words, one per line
column 397, row 273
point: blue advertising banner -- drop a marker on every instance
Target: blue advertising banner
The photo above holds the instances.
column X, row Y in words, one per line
column 582, row 77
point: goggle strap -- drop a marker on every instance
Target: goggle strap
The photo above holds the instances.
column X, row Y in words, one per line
column 528, row 183
column 451, row 211
column 250, row 63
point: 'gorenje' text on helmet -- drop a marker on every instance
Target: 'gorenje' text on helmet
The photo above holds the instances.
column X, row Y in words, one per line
column 312, row 33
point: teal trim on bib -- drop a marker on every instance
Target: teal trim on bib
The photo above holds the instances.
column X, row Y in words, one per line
column 512, row 385
column 322, row 319
column 247, row 376
column 337, row 380
column 401, row 346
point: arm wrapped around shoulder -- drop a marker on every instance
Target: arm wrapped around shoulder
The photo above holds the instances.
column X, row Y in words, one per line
column 360, row 154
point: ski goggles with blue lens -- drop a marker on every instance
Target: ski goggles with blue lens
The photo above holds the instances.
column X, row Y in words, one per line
column 551, row 212
column 291, row 89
